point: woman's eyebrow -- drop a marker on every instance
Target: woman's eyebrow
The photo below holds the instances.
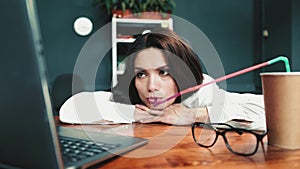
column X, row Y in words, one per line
column 138, row 68
column 161, row 67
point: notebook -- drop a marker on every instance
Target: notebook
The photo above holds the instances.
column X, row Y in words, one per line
column 29, row 136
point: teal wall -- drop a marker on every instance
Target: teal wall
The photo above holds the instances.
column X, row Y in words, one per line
column 295, row 35
column 62, row 45
column 233, row 26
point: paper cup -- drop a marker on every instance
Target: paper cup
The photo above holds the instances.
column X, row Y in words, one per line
column 281, row 92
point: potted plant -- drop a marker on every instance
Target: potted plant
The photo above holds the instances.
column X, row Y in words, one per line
column 140, row 8
column 158, row 8
column 120, row 8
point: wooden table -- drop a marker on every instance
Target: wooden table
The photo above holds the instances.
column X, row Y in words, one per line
column 173, row 147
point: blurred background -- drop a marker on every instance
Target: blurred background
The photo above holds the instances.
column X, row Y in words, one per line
column 244, row 33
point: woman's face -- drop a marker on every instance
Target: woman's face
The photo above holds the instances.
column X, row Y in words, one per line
column 153, row 82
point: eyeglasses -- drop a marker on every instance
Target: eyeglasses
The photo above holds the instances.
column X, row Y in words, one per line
column 238, row 140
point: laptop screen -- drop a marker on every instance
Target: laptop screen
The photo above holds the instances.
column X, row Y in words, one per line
column 26, row 124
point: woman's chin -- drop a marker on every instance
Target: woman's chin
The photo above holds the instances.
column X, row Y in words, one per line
column 158, row 107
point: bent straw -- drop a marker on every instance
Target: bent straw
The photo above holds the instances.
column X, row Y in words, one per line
column 280, row 58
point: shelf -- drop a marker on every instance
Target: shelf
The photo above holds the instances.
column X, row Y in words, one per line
column 125, row 40
column 140, row 21
column 119, row 72
column 131, row 27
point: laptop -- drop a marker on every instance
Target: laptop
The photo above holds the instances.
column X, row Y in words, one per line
column 29, row 136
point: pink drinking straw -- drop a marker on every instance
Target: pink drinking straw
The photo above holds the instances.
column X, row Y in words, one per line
column 280, row 58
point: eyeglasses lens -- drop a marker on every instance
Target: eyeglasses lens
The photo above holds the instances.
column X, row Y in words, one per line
column 204, row 135
column 242, row 143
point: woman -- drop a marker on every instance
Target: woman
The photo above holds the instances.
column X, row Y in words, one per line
column 159, row 65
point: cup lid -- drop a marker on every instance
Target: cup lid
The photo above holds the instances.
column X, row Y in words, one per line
column 279, row 73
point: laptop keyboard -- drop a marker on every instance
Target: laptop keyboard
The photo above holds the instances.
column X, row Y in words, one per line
column 74, row 150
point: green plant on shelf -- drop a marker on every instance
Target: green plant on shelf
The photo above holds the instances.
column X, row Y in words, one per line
column 136, row 6
column 162, row 6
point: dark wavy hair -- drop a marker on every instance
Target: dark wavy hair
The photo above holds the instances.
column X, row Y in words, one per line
column 183, row 64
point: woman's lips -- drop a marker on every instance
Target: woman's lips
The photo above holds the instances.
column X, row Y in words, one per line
column 154, row 100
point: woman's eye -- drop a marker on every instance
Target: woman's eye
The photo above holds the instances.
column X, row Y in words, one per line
column 163, row 72
column 140, row 75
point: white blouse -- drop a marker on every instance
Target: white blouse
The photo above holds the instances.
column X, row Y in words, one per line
column 223, row 106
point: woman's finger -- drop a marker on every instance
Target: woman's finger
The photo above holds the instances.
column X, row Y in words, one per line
column 150, row 111
column 142, row 107
column 150, row 119
column 155, row 112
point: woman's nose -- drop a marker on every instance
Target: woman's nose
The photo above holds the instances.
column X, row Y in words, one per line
column 153, row 83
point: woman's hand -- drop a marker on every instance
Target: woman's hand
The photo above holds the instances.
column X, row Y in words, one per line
column 142, row 112
column 176, row 114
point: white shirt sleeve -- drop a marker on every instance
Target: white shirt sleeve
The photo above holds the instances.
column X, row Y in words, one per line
column 95, row 108
column 226, row 106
